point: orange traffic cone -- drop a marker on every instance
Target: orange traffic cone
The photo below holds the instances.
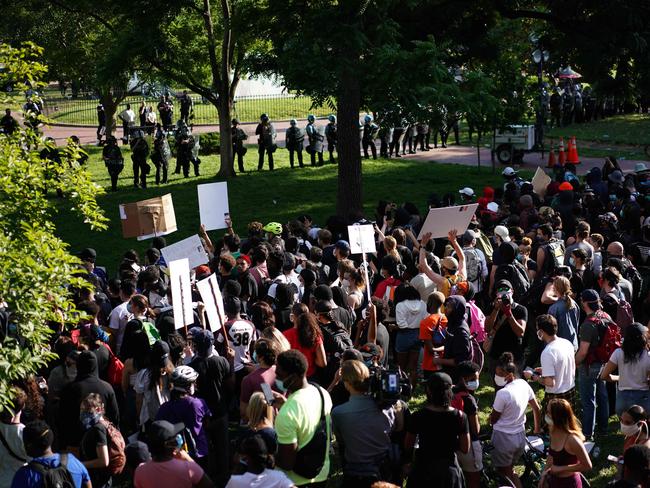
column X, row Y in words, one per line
column 572, row 157
column 551, row 158
column 561, row 157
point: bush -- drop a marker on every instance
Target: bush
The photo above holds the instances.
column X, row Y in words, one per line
column 210, row 143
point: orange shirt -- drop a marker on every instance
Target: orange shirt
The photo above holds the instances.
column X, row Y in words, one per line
column 427, row 327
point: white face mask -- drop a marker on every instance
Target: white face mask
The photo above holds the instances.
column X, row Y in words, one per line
column 628, row 430
column 548, row 420
column 472, row 385
column 500, row 380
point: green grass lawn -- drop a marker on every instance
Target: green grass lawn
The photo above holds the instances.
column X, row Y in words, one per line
column 631, row 129
column 265, row 196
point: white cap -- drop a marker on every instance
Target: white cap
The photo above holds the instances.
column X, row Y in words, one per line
column 502, row 232
column 467, row 191
column 508, row 172
column 493, row 207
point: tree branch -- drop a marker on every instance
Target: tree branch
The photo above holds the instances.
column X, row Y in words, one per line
column 91, row 14
column 212, row 47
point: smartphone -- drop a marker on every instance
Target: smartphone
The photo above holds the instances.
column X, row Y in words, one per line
column 268, row 394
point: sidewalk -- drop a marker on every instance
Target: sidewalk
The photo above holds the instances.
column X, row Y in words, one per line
column 462, row 155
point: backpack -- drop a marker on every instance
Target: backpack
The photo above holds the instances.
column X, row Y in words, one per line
column 555, row 251
column 624, row 315
column 116, row 444
column 458, row 400
column 310, row 459
column 609, row 339
column 451, row 286
column 517, row 276
column 477, row 319
column 483, row 243
column 632, row 274
column 54, row 477
column 477, row 355
column 472, row 264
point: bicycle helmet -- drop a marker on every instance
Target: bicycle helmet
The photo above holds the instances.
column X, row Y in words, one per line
column 311, row 118
column 332, row 118
column 183, row 377
column 273, row 228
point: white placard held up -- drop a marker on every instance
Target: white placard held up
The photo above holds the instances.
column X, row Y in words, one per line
column 362, row 238
column 213, row 301
column 213, row 205
column 540, row 181
column 179, row 271
column 440, row 221
column 190, row 248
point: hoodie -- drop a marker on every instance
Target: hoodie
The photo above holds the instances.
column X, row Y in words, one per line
column 409, row 314
column 458, row 344
column 69, row 427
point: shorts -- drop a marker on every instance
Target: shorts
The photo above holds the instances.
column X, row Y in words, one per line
column 472, row 462
column 407, row 340
column 508, row 448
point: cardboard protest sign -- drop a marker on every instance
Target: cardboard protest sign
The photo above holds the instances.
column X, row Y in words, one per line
column 540, row 181
column 362, row 238
column 213, row 301
column 440, row 221
column 190, row 248
column 213, row 205
column 148, row 218
column 179, row 271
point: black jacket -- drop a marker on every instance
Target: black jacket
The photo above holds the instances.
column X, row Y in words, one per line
column 86, row 382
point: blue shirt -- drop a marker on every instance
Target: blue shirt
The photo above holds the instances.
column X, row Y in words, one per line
column 568, row 321
column 26, row 477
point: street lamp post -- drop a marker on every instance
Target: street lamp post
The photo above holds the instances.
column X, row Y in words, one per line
column 540, row 56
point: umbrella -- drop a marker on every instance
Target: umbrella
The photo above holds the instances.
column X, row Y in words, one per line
column 569, row 73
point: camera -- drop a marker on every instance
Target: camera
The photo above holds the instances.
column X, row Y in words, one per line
column 387, row 386
column 506, row 299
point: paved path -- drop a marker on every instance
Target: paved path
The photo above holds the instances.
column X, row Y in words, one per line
column 462, row 155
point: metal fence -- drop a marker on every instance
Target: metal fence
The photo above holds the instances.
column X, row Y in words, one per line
column 83, row 111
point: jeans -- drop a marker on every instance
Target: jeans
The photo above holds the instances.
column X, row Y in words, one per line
column 626, row 398
column 593, row 395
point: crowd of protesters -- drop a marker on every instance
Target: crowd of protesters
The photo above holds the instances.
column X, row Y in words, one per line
column 543, row 296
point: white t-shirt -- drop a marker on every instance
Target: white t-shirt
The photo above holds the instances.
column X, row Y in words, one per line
column 558, row 361
column 117, row 321
column 511, row 401
column 631, row 376
column 269, row 478
column 240, row 334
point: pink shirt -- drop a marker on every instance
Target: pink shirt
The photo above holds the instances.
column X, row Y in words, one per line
column 253, row 381
column 174, row 473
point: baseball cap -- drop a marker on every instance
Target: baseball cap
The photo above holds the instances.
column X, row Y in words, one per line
column 502, row 285
column 565, row 186
column 508, row 172
column 493, row 207
column 590, row 296
column 502, row 232
column 88, row 254
column 203, row 340
column 449, row 263
column 159, row 352
column 640, row 167
column 616, row 176
column 322, row 306
column 161, row 431
column 137, row 453
column 469, row 236
column 202, row 271
column 323, row 292
column 467, row 191
column 245, row 257
column 342, row 245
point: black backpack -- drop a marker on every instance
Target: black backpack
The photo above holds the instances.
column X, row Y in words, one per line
column 516, row 274
column 54, row 477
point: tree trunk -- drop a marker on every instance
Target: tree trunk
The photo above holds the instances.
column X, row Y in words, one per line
column 110, row 108
column 349, row 201
column 224, row 108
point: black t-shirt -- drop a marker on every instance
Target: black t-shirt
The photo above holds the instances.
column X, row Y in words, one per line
column 438, row 433
column 210, row 385
column 94, row 437
column 470, row 406
column 103, row 357
column 505, row 340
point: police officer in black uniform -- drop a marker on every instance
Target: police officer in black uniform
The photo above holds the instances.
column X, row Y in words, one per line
column 294, row 139
column 238, row 148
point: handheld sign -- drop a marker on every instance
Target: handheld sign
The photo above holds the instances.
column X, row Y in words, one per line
column 440, row 220
column 148, row 218
column 179, row 271
column 213, row 301
column 362, row 240
column 190, row 248
column 213, row 205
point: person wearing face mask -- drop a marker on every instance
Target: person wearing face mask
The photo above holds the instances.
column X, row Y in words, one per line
column 170, row 465
column 254, row 452
column 636, row 469
column 567, row 456
column 303, row 409
column 464, row 400
column 558, row 370
column 192, row 412
column 93, row 449
column 508, row 417
column 632, row 360
column 458, row 341
column 264, row 356
column 634, row 426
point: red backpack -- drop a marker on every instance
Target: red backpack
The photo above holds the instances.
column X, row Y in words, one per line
column 116, row 445
column 609, row 338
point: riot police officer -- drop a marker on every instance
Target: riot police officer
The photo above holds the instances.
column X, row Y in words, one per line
column 139, row 153
column 315, row 141
column 331, row 135
column 396, row 141
column 370, row 130
column 184, row 145
column 265, row 140
column 556, row 108
column 294, row 138
column 238, row 148
column 422, row 130
column 113, row 160
column 187, row 105
column 161, row 154
column 409, row 137
column 385, row 138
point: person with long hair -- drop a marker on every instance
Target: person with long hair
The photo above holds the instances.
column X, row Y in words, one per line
column 409, row 312
column 634, row 426
column 441, row 431
column 567, row 456
column 152, row 385
column 94, row 443
column 306, row 337
column 263, row 319
column 632, row 360
column 390, row 248
column 356, row 288
column 508, row 417
column 260, row 421
column 565, row 310
column 140, row 352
